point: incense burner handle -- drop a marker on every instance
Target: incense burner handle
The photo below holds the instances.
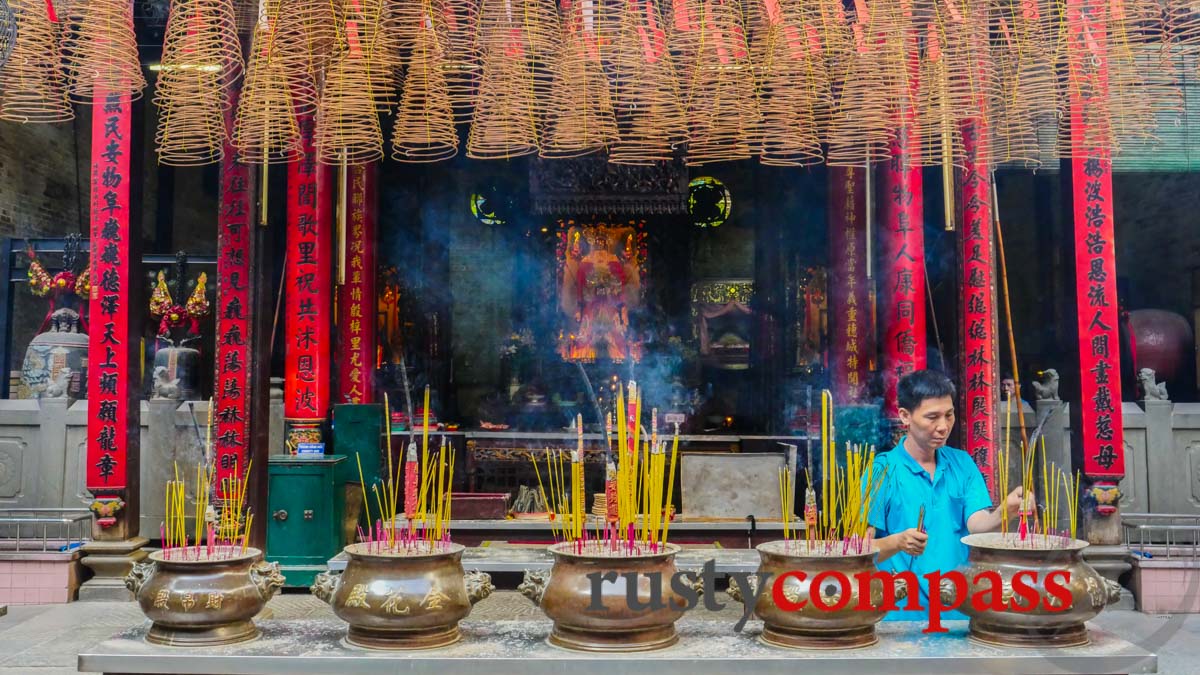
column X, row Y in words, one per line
column 325, row 585
column 266, row 578
column 900, row 588
column 479, row 585
column 735, row 589
column 696, row 582
column 533, row 586
column 1114, row 591
column 139, row 575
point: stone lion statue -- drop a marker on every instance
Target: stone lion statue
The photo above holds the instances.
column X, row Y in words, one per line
column 1047, row 389
column 164, row 388
column 1152, row 390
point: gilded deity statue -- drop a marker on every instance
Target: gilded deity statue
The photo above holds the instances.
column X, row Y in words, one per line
column 600, row 286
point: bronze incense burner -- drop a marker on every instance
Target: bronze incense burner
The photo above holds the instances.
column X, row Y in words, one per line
column 812, row 627
column 403, row 599
column 203, row 601
column 565, row 595
column 1052, row 622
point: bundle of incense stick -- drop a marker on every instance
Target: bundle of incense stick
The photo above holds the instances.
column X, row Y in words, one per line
column 1056, row 483
column 639, row 498
column 426, row 497
column 227, row 537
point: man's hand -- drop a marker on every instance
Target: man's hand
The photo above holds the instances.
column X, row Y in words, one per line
column 1014, row 502
column 912, row 541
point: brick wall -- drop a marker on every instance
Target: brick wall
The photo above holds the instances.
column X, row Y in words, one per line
column 38, row 190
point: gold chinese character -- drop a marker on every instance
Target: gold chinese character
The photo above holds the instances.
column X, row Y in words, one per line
column 161, row 598
column 851, row 330
column 356, row 342
column 434, row 598
column 356, row 311
column 852, row 378
column 214, row 601
column 394, row 604
column 852, row 361
column 358, row 597
column 188, row 601
column 356, row 293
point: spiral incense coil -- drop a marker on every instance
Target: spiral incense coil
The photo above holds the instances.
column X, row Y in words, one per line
column 382, row 50
column 518, row 39
column 458, row 23
column 201, row 58
column 32, row 87
column 101, row 52
column 869, row 79
column 424, row 126
column 347, row 129
column 265, row 130
column 580, row 118
column 722, row 111
column 1025, row 54
column 794, row 88
column 308, row 35
column 649, row 113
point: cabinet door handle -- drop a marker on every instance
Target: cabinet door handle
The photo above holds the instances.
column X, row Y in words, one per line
column 308, row 514
column 279, row 515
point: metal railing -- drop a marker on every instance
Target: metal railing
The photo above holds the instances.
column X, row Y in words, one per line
column 44, row 530
column 1162, row 535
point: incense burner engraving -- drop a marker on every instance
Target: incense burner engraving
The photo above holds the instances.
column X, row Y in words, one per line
column 565, row 595
column 1048, row 623
column 812, row 627
column 403, row 600
column 203, row 602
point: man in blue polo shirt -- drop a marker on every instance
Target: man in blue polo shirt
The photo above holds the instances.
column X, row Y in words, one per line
column 922, row 471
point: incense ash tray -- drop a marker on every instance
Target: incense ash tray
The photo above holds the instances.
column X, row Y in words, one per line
column 203, row 601
column 1053, row 622
column 565, row 595
column 403, row 598
column 811, row 627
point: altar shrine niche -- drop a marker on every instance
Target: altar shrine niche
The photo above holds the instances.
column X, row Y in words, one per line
column 722, row 322
column 176, row 365
column 57, row 355
column 601, row 268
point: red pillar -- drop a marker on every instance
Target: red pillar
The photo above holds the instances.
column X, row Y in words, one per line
column 852, row 322
column 233, row 360
column 902, row 281
column 980, row 395
column 356, row 297
column 1101, row 427
column 308, row 292
column 113, row 344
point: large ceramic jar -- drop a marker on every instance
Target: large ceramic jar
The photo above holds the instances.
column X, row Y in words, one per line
column 203, row 602
column 565, row 594
column 835, row 621
column 402, row 599
column 1053, row 622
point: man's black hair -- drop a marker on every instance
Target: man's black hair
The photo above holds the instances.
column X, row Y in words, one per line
column 921, row 385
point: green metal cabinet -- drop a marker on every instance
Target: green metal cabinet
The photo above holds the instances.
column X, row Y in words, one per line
column 306, row 498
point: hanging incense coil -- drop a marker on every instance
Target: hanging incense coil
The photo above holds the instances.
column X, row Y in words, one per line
column 458, row 24
column 101, row 52
column 382, row 50
column 794, row 87
column 519, row 40
column 32, row 86
column 308, row 35
column 722, row 111
column 869, row 83
column 424, row 126
column 1031, row 100
column 201, row 59
column 649, row 113
column 1144, row 74
column 580, row 112
column 265, row 130
column 347, row 125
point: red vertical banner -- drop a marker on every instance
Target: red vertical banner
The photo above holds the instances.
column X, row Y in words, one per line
column 902, row 278
column 356, row 297
column 980, row 394
column 1095, row 258
column 308, row 288
column 853, row 329
column 234, row 258
column 109, row 424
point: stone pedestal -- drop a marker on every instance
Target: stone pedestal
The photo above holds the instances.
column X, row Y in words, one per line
column 1112, row 562
column 110, row 561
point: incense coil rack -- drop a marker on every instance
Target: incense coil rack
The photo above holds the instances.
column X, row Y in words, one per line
column 565, row 595
column 812, row 627
column 403, row 598
column 1052, row 622
column 203, row 600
